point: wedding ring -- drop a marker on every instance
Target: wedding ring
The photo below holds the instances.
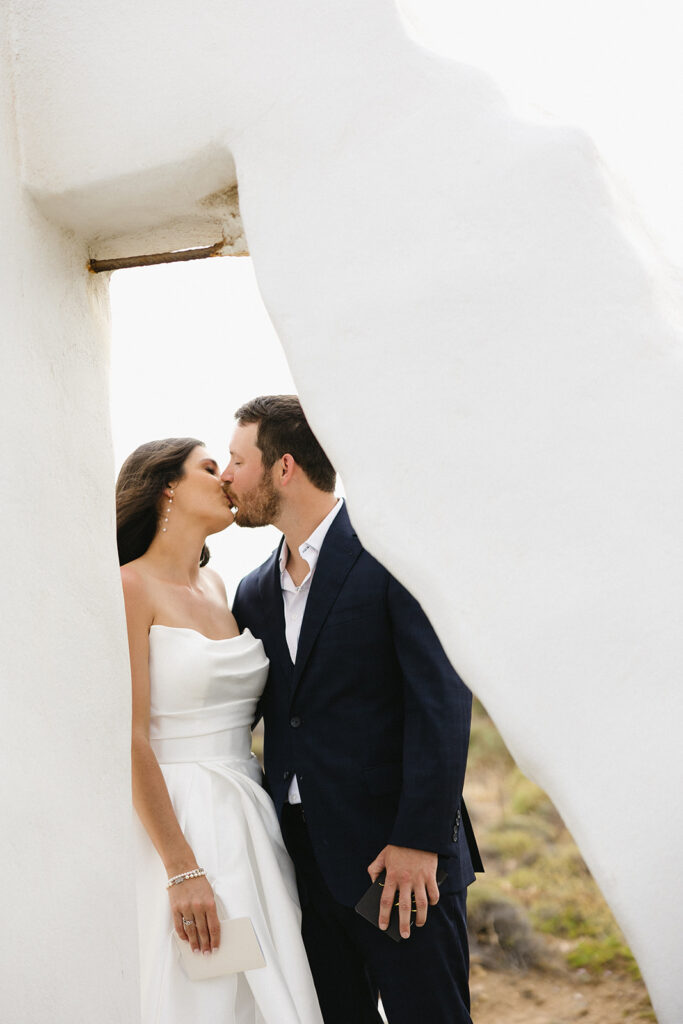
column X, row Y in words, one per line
column 187, row 921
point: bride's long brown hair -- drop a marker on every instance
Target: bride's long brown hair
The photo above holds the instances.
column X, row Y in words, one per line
column 139, row 490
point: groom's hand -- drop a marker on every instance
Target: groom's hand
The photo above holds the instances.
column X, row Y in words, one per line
column 412, row 875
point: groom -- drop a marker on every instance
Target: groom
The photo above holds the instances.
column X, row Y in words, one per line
column 366, row 735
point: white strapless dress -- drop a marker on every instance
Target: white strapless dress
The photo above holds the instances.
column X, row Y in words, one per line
column 203, row 699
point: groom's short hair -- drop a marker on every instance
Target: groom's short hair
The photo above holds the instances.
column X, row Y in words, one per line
column 283, row 429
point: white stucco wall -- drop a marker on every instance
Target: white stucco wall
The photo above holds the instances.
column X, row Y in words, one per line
column 66, row 952
column 476, row 331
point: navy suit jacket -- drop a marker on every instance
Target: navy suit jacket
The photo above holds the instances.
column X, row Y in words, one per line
column 372, row 718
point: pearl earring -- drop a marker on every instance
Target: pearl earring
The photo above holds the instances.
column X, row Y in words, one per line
column 167, row 510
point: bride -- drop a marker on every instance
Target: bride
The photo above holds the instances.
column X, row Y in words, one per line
column 211, row 846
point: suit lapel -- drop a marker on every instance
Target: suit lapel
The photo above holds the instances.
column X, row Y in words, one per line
column 339, row 551
column 271, row 595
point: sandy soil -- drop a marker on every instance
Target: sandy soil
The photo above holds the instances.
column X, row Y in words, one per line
column 534, row 997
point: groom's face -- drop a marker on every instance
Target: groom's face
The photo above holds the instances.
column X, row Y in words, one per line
column 247, row 483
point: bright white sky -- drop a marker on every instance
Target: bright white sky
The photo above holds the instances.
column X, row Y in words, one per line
column 613, row 67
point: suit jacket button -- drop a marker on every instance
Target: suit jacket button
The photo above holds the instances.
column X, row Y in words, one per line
column 455, row 834
column 286, row 774
column 295, row 722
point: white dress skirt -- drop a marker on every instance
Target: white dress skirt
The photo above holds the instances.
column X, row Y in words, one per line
column 203, row 699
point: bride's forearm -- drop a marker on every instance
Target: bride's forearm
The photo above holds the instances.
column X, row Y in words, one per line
column 155, row 810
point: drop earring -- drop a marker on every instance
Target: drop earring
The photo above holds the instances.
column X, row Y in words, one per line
column 167, row 510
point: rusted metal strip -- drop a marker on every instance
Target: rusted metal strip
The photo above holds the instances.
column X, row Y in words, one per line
column 180, row 256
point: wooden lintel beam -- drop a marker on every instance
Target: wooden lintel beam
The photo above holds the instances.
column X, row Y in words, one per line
column 180, row 256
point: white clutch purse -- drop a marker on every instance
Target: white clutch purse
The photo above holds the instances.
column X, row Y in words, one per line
column 239, row 950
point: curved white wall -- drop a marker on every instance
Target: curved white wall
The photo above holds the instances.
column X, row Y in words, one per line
column 475, row 329
column 67, row 951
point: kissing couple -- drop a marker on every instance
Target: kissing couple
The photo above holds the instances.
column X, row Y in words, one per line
column 366, row 735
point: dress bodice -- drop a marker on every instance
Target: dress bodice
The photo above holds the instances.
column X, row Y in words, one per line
column 203, row 694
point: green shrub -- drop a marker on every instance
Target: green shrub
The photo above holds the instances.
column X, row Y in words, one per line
column 563, row 920
column 595, row 954
column 512, row 843
column 526, row 797
column 487, row 749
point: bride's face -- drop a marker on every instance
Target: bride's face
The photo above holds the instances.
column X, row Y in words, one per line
column 199, row 494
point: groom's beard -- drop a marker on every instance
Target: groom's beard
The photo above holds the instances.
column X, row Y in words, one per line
column 260, row 507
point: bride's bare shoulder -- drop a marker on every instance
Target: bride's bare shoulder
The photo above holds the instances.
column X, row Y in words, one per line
column 135, row 580
column 213, row 579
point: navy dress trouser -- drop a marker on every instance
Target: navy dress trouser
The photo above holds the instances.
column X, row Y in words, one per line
column 424, row 978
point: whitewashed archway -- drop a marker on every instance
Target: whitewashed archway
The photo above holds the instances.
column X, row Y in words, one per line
column 477, row 333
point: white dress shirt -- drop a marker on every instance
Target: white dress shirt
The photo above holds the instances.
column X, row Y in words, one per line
column 295, row 599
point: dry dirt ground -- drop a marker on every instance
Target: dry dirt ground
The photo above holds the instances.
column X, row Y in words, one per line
column 535, row 997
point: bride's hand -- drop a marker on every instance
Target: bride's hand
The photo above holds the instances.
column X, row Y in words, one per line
column 193, row 901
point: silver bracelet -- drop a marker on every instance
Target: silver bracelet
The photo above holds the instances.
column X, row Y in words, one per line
column 177, row 879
